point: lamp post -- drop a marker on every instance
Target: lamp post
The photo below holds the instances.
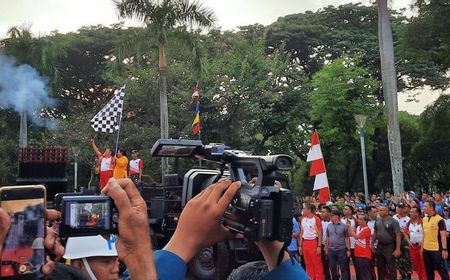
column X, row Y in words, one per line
column 76, row 152
column 361, row 120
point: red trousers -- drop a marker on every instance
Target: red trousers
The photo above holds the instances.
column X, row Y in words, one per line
column 104, row 178
column 313, row 262
column 417, row 262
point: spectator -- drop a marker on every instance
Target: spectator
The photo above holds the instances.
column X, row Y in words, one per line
column 372, row 213
column 348, row 218
column 414, row 236
column 94, row 256
column 434, row 242
column 136, row 166
column 387, row 233
column 293, row 246
column 403, row 262
column 325, row 213
column 106, row 164
column 310, row 242
column 338, row 247
column 363, row 253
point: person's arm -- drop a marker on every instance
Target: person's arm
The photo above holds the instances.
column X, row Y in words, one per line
column 141, row 167
column 96, row 151
column 300, row 237
column 327, row 242
column 398, row 239
column 374, row 238
column 443, row 233
column 319, row 238
column 136, row 253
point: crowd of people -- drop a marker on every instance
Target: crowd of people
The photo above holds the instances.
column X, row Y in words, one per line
column 117, row 166
column 382, row 236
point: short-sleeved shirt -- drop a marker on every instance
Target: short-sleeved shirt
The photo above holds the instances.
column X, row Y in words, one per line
column 325, row 225
column 336, row 235
column 310, row 227
column 402, row 221
column 353, row 225
column 120, row 170
column 415, row 232
column 362, row 244
column 386, row 230
column 293, row 246
column 431, row 236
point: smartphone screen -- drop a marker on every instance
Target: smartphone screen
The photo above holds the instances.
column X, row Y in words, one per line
column 23, row 251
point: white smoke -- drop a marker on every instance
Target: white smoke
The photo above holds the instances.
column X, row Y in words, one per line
column 24, row 90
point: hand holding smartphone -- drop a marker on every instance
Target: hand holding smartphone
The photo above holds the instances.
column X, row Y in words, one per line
column 23, row 253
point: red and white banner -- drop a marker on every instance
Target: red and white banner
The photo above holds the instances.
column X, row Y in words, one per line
column 318, row 169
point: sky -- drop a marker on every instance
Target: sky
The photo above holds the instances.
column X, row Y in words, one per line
column 45, row 16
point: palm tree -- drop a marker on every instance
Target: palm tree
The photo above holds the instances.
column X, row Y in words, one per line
column 389, row 79
column 161, row 17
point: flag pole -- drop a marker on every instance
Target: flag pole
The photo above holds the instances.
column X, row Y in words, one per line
column 118, row 135
column 118, row 129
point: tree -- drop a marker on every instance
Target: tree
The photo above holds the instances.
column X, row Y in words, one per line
column 389, row 80
column 342, row 89
column 161, row 17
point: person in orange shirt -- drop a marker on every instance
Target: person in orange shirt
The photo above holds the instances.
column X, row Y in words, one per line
column 120, row 169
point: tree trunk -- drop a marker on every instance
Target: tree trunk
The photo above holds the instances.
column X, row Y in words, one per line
column 163, row 105
column 389, row 79
column 23, row 131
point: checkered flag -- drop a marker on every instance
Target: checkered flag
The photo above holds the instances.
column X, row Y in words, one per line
column 107, row 120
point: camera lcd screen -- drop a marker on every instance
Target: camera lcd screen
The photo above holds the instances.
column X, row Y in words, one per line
column 88, row 215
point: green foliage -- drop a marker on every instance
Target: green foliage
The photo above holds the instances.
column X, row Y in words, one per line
column 342, row 89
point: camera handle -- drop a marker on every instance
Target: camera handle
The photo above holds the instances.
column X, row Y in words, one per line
column 222, row 169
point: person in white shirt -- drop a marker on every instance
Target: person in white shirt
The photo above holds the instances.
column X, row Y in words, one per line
column 414, row 236
column 136, row 165
column 325, row 213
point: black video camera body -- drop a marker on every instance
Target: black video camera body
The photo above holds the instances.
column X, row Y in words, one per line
column 260, row 209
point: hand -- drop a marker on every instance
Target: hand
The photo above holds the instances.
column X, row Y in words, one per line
column 349, row 253
column 326, row 252
column 133, row 243
column 52, row 242
column 374, row 250
column 200, row 225
column 300, row 250
column 445, row 254
column 421, row 250
column 318, row 251
column 397, row 253
column 5, row 222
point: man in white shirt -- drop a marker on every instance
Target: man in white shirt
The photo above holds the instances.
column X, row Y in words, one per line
column 325, row 213
column 414, row 236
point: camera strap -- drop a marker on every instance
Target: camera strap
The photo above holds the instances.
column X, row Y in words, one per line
column 281, row 254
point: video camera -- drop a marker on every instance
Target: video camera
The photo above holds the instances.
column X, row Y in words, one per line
column 259, row 210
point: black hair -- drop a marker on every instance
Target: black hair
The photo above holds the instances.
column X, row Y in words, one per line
column 124, row 152
column 311, row 207
column 351, row 208
column 364, row 216
column 327, row 208
column 432, row 204
column 418, row 210
column 249, row 271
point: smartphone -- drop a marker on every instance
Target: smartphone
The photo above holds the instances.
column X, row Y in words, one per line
column 23, row 251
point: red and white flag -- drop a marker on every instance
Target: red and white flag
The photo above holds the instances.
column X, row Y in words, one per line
column 318, row 169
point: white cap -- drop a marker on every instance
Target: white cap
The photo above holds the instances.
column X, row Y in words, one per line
column 89, row 246
column 38, row 243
